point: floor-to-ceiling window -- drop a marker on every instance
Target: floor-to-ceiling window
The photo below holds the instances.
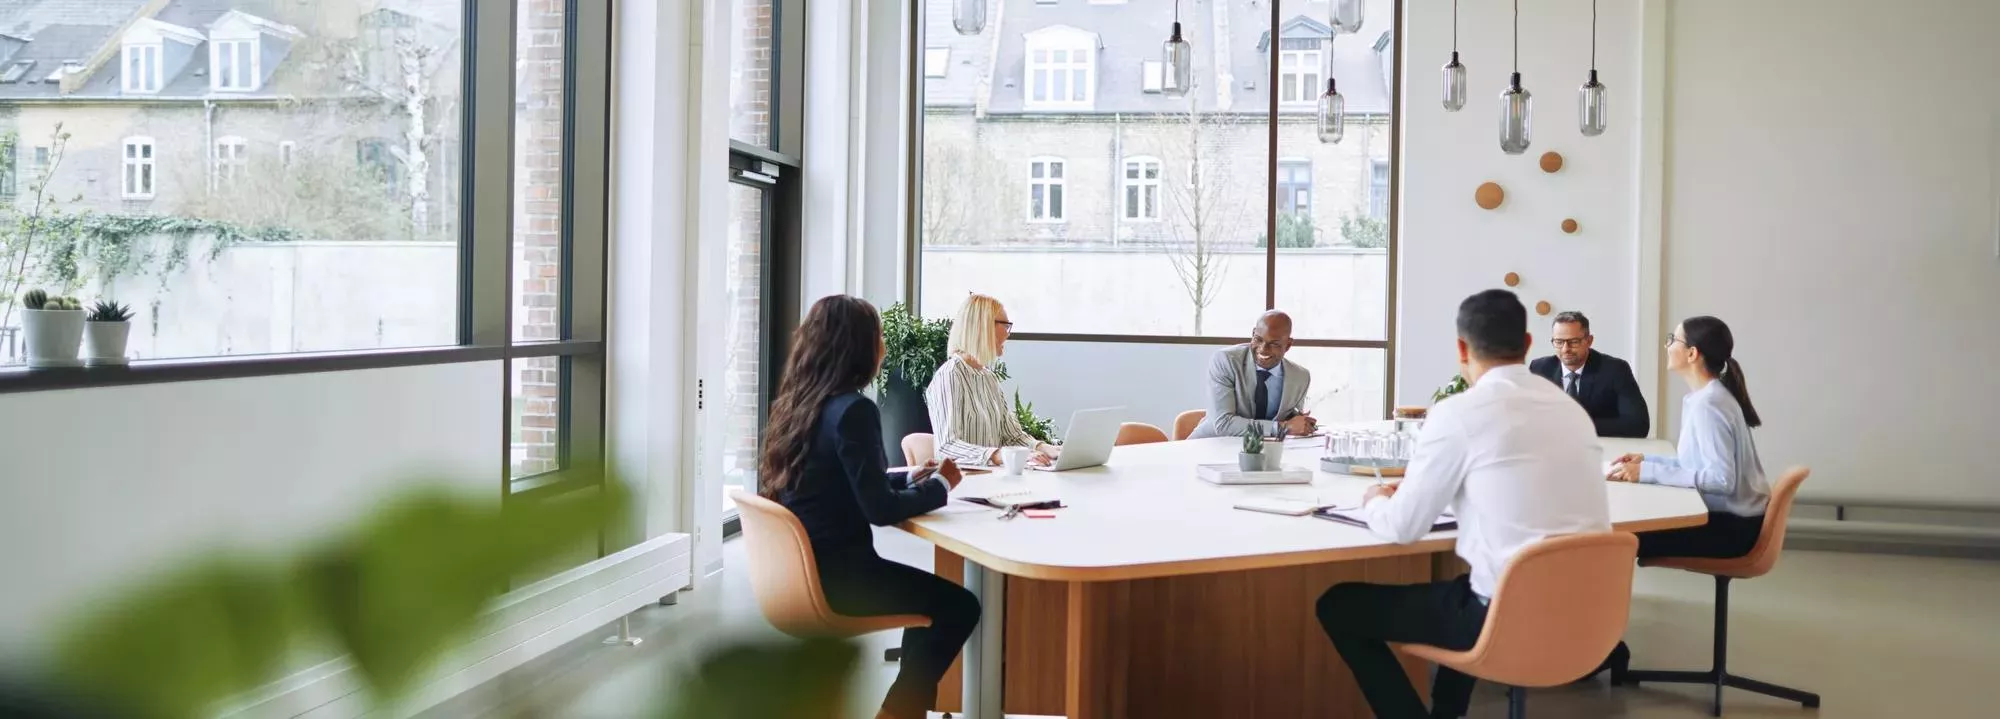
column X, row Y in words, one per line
column 749, row 295
column 1046, row 139
column 277, row 187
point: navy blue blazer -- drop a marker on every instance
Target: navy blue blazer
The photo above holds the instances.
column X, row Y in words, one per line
column 846, row 485
column 1609, row 393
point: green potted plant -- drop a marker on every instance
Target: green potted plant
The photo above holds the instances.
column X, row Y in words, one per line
column 106, row 330
column 54, row 328
column 1037, row 426
column 1455, row 386
column 914, row 349
column 1251, row 459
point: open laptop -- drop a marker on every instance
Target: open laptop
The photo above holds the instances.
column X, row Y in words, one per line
column 1092, row 432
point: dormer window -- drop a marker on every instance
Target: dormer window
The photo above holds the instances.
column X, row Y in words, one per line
column 142, row 68
column 233, row 65
column 1061, row 69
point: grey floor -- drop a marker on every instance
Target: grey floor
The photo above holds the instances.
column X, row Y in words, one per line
column 1875, row 635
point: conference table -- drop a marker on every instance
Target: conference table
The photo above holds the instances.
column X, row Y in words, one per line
column 1150, row 595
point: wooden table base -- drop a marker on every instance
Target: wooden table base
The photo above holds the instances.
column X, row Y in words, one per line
column 1234, row 644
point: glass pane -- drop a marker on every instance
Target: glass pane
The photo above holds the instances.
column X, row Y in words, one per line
column 1109, row 267
column 538, row 171
column 1333, row 258
column 537, row 393
column 328, row 255
column 743, row 335
column 1347, row 384
column 750, row 81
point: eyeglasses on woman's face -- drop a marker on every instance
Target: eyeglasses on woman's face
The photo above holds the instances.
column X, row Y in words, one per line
column 1673, row 340
column 1005, row 326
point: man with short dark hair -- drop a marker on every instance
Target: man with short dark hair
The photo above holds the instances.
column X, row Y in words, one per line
column 1519, row 462
column 1603, row 384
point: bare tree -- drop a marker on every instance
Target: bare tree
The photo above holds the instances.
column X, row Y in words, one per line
column 28, row 226
column 401, row 75
column 1203, row 214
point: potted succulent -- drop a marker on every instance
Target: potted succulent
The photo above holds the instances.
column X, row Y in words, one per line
column 1252, row 457
column 54, row 327
column 106, row 330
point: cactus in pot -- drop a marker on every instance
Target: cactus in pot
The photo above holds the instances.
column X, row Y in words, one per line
column 1251, row 459
column 54, row 329
column 108, row 329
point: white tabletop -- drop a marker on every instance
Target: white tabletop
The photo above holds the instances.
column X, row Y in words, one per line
column 1145, row 514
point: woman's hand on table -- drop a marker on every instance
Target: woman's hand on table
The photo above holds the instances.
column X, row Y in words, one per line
column 1627, row 468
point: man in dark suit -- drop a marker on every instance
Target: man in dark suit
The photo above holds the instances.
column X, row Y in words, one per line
column 1603, row 384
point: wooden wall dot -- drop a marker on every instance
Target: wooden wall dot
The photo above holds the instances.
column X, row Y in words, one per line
column 1542, row 308
column 1569, row 227
column 1552, row 162
column 1513, row 279
column 1489, row 195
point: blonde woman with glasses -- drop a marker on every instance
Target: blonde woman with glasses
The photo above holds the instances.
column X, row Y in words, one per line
column 970, row 415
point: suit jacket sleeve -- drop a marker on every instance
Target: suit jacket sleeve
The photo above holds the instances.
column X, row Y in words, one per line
column 1222, row 416
column 1632, row 419
column 884, row 499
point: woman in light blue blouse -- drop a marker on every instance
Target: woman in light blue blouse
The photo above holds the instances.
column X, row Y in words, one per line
column 1717, row 455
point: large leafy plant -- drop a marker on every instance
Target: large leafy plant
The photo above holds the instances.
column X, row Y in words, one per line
column 916, row 347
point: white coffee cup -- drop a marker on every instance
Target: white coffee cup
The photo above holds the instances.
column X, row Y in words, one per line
column 1014, row 460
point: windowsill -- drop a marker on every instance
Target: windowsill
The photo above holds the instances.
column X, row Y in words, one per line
column 19, row 378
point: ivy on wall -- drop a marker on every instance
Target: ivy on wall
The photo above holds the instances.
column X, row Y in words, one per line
column 115, row 245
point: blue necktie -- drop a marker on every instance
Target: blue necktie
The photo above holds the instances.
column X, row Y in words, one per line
column 1263, row 395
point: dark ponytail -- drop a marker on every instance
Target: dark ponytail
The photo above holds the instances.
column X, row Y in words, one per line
column 1717, row 346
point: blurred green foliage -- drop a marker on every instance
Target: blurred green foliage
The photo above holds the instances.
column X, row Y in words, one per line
column 788, row 679
column 394, row 592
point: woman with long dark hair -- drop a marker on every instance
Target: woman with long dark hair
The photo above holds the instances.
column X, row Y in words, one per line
column 1717, row 455
column 823, row 460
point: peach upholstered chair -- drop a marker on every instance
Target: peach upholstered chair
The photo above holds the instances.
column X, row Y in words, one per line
column 786, row 580
column 1560, row 608
column 1185, row 423
column 1757, row 563
column 1139, row 433
column 919, row 448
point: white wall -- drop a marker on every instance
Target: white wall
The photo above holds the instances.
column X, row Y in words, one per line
column 1831, row 193
column 102, row 486
column 1450, row 247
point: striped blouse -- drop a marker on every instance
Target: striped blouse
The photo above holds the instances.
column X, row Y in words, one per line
column 970, row 416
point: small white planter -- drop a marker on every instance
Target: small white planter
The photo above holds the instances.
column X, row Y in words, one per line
column 104, row 343
column 54, row 336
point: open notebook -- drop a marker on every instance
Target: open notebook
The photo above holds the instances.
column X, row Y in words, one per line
column 1353, row 515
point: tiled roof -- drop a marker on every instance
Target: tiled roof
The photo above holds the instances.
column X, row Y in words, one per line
column 1131, row 33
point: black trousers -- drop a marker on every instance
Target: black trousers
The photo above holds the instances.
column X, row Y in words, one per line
column 1725, row 536
column 861, row 584
column 1362, row 619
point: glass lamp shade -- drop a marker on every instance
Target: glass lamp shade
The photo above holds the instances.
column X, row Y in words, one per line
column 968, row 17
column 1516, row 117
column 1177, row 57
column 1454, row 84
column 1332, row 115
column 1347, row 15
column 1590, row 109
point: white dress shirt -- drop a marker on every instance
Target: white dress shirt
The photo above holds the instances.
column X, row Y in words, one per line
column 1717, row 456
column 1520, row 461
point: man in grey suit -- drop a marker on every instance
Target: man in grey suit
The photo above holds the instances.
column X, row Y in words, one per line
column 1253, row 385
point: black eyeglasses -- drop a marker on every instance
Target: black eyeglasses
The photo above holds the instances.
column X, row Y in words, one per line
column 1578, row 342
column 1672, row 339
column 1005, row 324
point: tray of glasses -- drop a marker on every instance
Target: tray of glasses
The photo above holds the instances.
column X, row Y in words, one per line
column 1363, row 467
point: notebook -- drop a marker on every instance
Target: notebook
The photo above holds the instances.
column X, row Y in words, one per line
column 1353, row 516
